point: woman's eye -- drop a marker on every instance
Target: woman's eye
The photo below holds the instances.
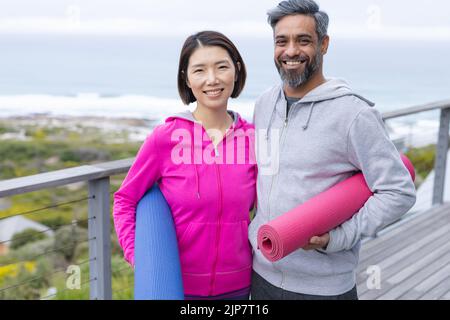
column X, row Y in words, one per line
column 223, row 67
column 198, row 70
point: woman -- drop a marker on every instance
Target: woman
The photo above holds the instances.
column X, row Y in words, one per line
column 204, row 164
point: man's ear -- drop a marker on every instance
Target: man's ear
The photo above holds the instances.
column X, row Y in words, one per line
column 325, row 43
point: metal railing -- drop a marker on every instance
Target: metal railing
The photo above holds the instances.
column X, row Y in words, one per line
column 98, row 178
column 99, row 229
column 442, row 143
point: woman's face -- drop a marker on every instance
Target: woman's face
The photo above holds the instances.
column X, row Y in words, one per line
column 211, row 75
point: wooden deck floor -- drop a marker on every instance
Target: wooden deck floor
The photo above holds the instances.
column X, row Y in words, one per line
column 413, row 259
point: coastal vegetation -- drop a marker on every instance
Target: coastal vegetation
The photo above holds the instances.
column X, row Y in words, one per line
column 36, row 265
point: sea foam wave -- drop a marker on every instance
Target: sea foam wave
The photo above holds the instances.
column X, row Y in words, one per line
column 93, row 104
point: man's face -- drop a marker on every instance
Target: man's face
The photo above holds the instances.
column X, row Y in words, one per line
column 298, row 53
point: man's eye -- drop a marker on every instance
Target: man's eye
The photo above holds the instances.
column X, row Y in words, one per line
column 304, row 41
column 281, row 43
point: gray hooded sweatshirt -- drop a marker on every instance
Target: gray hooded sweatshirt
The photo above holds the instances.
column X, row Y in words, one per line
column 328, row 135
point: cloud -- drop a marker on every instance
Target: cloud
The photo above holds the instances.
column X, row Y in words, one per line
column 127, row 26
column 243, row 28
column 391, row 32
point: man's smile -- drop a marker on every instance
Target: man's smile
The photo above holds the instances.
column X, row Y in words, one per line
column 294, row 63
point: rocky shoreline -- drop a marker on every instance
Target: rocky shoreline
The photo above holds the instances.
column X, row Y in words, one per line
column 15, row 127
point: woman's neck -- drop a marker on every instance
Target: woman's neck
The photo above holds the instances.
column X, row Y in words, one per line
column 215, row 122
column 213, row 119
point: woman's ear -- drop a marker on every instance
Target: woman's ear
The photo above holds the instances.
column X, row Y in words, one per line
column 238, row 64
column 186, row 79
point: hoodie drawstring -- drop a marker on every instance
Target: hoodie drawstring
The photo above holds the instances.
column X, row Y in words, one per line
column 271, row 118
column 196, row 171
column 197, row 181
column 305, row 126
column 270, row 122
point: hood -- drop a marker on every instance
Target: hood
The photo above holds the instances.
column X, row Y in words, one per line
column 187, row 115
column 333, row 88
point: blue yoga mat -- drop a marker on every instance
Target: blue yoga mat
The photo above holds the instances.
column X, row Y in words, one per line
column 157, row 273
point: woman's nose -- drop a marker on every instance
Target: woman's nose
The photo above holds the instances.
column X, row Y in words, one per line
column 212, row 77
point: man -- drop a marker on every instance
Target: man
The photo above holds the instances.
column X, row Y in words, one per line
column 325, row 133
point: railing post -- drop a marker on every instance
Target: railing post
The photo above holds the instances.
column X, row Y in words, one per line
column 441, row 158
column 100, row 247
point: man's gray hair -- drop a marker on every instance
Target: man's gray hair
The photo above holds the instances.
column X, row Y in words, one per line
column 294, row 7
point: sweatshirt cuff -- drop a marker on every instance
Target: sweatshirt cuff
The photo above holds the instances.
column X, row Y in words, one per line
column 130, row 260
column 334, row 245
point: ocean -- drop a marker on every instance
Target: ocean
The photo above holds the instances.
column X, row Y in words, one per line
column 135, row 76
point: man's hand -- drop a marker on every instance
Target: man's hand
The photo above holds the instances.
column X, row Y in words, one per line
column 318, row 242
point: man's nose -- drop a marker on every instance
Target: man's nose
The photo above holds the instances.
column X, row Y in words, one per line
column 292, row 49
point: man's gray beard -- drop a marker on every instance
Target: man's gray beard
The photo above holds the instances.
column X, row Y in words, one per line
column 293, row 79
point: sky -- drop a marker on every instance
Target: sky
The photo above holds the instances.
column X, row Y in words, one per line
column 416, row 19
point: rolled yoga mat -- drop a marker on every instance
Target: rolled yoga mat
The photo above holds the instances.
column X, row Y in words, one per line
column 157, row 273
column 315, row 217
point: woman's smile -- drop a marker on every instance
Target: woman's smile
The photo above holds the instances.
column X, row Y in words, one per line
column 213, row 92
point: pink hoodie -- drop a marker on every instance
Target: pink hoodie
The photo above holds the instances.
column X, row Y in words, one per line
column 210, row 200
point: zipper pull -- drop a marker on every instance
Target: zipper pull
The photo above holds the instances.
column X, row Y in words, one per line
column 286, row 122
column 216, row 151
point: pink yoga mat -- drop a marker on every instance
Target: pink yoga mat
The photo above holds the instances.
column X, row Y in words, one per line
column 315, row 217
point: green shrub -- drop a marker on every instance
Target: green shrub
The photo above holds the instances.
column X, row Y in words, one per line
column 122, row 279
column 7, row 170
column 84, row 154
column 65, row 293
column 81, row 252
column 422, row 159
column 33, row 249
column 67, row 238
column 27, row 236
column 27, row 285
column 22, row 151
column 54, row 222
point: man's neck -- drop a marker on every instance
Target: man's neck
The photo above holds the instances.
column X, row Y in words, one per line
column 306, row 87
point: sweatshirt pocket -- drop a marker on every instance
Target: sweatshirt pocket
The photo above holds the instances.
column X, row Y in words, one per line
column 196, row 246
column 235, row 253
